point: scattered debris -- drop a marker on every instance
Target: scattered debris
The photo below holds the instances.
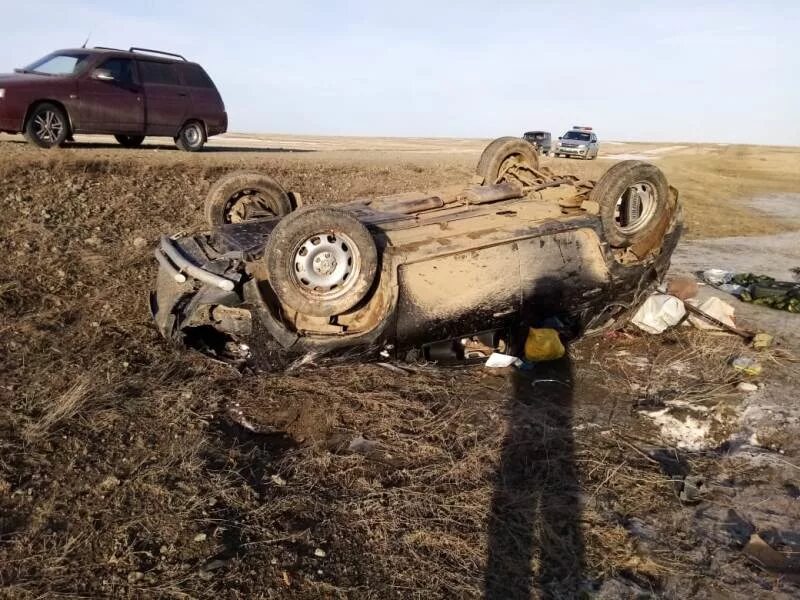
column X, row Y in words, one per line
column 747, row 387
column 762, row 341
column 139, row 242
column 320, row 553
column 693, row 489
column 682, row 287
column 498, row 360
column 767, row 557
column 747, row 365
column 393, row 368
column 200, row 537
column 721, row 314
column 278, row 480
column 361, row 445
column 542, row 345
column 658, row 313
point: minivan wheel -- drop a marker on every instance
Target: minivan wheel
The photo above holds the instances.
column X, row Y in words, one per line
column 321, row 261
column 47, row 126
column 129, row 141
column 192, row 137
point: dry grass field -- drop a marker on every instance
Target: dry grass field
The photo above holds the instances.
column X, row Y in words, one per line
column 122, row 473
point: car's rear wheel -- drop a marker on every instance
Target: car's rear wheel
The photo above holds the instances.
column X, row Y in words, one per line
column 505, row 155
column 47, row 126
column 192, row 137
column 321, row 261
column 129, row 141
column 240, row 197
column 633, row 197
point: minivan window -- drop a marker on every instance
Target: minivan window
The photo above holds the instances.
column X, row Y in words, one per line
column 194, row 76
column 58, row 64
column 120, row 68
column 158, row 72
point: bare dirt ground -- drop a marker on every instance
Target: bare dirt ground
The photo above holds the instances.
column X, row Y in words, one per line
column 122, row 474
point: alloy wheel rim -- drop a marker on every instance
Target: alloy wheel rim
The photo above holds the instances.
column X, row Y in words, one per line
column 48, row 126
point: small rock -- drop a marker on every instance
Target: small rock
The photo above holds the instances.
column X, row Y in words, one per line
column 139, row 242
column 320, row 553
column 93, row 241
column 747, row 387
column 135, row 576
column 214, row 565
column 278, row 480
column 109, row 483
column 200, row 537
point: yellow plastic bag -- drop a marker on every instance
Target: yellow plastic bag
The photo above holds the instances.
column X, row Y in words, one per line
column 543, row 344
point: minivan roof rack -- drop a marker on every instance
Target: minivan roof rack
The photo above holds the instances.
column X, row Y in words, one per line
column 106, row 48
column 149, row 51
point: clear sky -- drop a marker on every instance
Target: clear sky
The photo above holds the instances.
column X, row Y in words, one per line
column 722, row 71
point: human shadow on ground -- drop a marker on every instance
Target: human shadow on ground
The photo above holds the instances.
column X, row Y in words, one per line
column 535, row 545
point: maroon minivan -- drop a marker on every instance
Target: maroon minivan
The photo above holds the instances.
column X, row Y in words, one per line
column 128, row 94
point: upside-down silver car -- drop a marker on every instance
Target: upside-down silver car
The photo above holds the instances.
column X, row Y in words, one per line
column 430, row 274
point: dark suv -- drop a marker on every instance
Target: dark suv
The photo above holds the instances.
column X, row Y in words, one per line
column 126, row 93
column 541, row 140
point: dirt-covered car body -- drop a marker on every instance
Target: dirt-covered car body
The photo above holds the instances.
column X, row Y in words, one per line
column 450, row 264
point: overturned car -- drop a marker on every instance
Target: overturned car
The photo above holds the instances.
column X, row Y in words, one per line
column 436, row 275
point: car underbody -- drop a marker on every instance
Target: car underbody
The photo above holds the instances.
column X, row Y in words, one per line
column 453, row 272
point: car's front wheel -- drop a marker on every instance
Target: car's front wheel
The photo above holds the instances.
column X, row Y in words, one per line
column 47, row 126
column 129, row 141
column 192, row 137
column 321, row 261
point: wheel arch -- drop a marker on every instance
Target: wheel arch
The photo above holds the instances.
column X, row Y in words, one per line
column 32, row 106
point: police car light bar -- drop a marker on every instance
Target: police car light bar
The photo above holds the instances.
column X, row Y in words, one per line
column 579, row 128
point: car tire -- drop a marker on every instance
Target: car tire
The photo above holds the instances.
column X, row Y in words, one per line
column 241, row 197
column 631, row 181
column 502, row 152
column 191, row 137
column 324, row 282
column 47, row 126
column 129, row 141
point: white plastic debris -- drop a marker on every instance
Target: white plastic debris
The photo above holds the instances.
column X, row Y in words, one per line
column 713, row 307
column 497, row 360
column 717, row 276
column 659, row 312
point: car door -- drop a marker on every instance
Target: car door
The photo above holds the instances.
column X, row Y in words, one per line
column 110, row 99
column 166, row 100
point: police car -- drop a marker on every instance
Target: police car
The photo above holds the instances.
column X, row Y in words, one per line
column 578, row 141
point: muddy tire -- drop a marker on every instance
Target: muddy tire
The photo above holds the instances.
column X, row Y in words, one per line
column 633, row 197
column 47, row 126
column 321, row 261
column 240, row 197
column 191, row 137
column 129, row 141
column 502, row 153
